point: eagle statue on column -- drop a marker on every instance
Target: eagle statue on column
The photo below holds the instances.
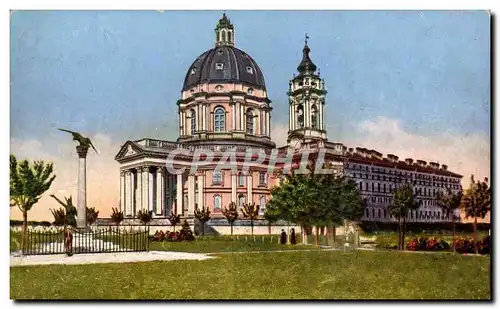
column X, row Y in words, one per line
column 84, row 141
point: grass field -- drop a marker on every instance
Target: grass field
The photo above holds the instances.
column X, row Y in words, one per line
column 270, row 275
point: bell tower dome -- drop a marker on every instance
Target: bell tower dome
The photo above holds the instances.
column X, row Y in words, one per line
column 306, row 96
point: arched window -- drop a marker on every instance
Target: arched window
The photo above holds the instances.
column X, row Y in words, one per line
column 250, row 121
column 300, row 116
column 193, row 121
column 385, row 213
column 379, row 213
column 217, row 201
column 218, row 36
column 219, row 119
column 223, row 36
column 241, row 200
column 262, row 203
column 241, row 180
column 229, row 36
column 314, row 117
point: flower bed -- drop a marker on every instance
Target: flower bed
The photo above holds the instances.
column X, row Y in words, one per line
column 169, row 236
column 462, row 245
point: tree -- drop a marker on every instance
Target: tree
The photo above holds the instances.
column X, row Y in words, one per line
column 70, row 210
column 92, row 215
column 476, row 202
column 174, row 219
column 270, row 217
column 250, row 211
column 59, row 217
column 203, row 216
column 145, row 216
column 403, row 201
column 449, row 202
column 231, row 214
column 27, row 185
column 116, row 216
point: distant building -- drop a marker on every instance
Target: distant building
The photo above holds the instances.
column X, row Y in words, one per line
column 224, row 106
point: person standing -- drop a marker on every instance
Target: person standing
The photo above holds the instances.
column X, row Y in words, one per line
column 283, row 237
column 293, row 240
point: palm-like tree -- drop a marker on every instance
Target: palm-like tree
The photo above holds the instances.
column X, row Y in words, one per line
column 145, row 216
column 27, row 184
column 449, row 202
column 231, row 214
column 476, row 203
column 203, row 216
column 174, row 219
column 403, row 201
column 116, row 215
column 250, row 211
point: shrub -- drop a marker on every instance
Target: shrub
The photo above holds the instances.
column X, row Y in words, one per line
column 186, row 233
column 145, row 216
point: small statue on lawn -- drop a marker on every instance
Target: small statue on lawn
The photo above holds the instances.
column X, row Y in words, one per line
column 283, row 237
column 293, row 240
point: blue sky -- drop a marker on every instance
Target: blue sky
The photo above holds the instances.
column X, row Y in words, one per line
column 120, row 72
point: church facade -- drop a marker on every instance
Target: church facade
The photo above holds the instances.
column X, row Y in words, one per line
column 225, row 112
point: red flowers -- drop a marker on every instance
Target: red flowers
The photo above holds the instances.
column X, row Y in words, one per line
column 462, row 245
column 168, row 236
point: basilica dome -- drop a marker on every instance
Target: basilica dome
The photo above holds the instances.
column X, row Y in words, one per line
column 224, row 64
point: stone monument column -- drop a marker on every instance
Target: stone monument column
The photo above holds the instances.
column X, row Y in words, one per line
column 81, row 207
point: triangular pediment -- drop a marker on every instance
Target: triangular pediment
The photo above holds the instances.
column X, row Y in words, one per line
column 129, row 149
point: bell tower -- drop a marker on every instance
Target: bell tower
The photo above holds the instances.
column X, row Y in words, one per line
column 306, row 94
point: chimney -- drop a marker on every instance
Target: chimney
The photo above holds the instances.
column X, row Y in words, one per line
column 392, row 158
column 409, row 161
column 422, row 163
column 444, row 167
column 434, row 165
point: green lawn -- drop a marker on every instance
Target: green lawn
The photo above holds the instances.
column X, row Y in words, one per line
column 270, row 275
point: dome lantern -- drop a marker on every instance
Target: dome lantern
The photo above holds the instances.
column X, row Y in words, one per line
column 224, row 32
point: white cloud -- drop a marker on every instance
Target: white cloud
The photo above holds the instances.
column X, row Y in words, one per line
column 279, row 133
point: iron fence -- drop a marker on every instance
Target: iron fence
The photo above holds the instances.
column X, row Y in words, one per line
column 109, row 239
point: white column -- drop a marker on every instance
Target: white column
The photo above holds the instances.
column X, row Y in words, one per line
column 191, row 198
column 151, row 190
column 160, row 190
column 201, row 193
column 179, row 195
column 290, row 109
column 138, row 195
column 233, row 187
column 233, row 117
column 268, row 123
column 181, row 120
column 122, row 192
column 321, row 115
column 306, row 113
column 238, row 116
column 145, row 187
column 243, row 119
column 249, row 188
column 205, row 117
column 129, row 187
column 81, row 205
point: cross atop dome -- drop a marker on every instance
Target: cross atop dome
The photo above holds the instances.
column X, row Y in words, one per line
column 224, row 32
